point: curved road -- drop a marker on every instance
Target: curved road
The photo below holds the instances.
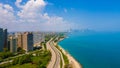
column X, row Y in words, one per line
column 56, row 56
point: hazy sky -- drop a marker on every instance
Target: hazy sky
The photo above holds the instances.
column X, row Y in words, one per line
column 59, row 15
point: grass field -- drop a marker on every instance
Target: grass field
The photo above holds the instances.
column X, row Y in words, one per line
column 39, row 60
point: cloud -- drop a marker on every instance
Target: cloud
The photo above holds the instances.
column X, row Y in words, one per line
column 30, row 17
column 17, row 3
column 6, row 15
column 8, row 7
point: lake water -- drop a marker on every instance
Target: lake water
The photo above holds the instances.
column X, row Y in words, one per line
column 94, row 50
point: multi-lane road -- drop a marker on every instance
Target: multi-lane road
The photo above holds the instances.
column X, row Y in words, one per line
column 56, row 58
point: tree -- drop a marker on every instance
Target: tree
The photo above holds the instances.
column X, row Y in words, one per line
column 1, row 59
column 5, row 49
column 20, row 60
column 20, row 50
column 15, row 61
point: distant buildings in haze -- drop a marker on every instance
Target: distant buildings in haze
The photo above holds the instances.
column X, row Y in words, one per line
column 38, row 38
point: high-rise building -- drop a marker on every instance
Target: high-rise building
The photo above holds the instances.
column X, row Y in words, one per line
column 5, row 38
column 27, row 41
column 8, row 44
column 13, row 44
column 20, row 40
column 1, row 39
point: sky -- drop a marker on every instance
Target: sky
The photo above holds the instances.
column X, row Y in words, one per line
column 60, row 15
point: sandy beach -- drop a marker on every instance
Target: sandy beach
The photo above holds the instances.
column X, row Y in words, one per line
column 72, row 61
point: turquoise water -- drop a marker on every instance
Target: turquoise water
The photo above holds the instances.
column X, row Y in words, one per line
column 94, row 50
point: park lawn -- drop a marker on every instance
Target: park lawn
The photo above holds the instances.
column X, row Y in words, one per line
column 27, row 65
column 39, row 61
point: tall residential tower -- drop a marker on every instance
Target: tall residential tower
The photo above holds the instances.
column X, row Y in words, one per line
column 28, row 41
column 3, row 39
column 20, row 40
column 13, row 44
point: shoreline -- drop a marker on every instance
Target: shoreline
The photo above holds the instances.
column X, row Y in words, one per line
column 71, row 59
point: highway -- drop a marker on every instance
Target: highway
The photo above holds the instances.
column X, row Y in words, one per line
column 56, row 56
